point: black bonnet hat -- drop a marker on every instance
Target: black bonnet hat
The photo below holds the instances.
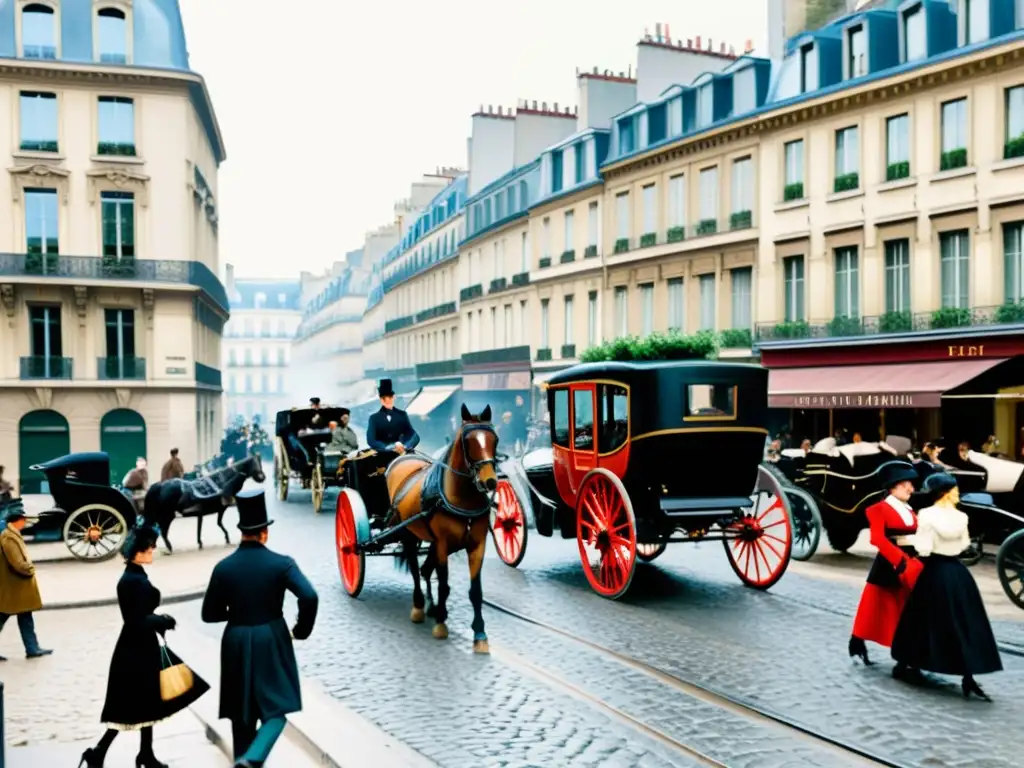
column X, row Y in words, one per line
column 314, row 401
column 252, row 510
column 897, row 472
column 140, row 538
column 386, row 389
column 940, row 483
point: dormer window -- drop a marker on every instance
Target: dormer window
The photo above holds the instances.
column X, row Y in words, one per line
column 112, row 36
column 974, row 25
column 808, row 68
column 627, row 139
column 675, row 117
column 744, row 91
column 915, row 38
column 557, row 177
column 705, row 106
column 857, row 52
column 580, row 157
column 38, row 32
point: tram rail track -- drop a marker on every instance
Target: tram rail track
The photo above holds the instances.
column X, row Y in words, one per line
column 851, row 753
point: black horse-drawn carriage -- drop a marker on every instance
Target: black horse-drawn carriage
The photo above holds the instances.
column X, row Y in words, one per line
column 637, row 462
column 89, row 515
column 841, row 483
column 310, row 428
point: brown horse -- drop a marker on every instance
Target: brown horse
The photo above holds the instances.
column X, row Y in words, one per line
column 449, row 502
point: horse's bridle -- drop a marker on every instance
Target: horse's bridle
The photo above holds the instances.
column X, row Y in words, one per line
column 474, row 466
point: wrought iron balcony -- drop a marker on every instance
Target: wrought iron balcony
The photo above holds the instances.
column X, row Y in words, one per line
column 207, row 375
column 390, row 326
column 121, row 368
column 439, row 311
column 472, row 292
column 42, row 367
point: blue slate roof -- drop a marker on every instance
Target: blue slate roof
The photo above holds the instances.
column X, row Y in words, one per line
column 277, row 294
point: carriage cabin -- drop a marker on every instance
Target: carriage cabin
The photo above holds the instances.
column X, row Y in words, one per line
column 664, row 429
column 300, row 421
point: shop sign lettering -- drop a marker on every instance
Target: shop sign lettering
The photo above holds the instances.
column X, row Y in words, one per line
column 972, row 350
column 865, row 400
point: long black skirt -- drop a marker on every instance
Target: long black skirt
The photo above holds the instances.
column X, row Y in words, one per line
column 944, row 627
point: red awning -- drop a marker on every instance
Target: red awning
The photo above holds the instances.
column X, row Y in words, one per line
column 896, row 385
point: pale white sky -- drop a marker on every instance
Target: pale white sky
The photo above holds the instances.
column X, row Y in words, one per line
column 329, row 111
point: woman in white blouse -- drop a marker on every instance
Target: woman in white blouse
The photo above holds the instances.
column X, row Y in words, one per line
column 944, row 627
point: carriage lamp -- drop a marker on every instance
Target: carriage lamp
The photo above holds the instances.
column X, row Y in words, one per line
column 697, row 533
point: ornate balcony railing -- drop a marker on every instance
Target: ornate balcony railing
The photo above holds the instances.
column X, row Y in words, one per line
column 42, row 367
column 121, row 368
column 398, row 323
column 207, row 375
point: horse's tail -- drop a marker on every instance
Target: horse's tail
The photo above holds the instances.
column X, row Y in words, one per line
column 410, row 549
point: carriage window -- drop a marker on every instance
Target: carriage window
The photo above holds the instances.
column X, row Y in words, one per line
column 560, row 417
column 583, row 420
column 614, row 418
column 710, row 401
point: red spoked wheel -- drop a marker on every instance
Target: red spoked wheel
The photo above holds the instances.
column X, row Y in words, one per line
column 606, row 533
column 351, row 558
column 760, row 541
column 508, row 525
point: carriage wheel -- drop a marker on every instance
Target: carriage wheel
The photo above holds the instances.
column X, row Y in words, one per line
column 650, row 551
column 282, row 470
column 351, row 529
column 508, row 525
column 317, row 484
column 1010, row 567
column 806, row 521
column 95, row 532
column 759, row 542
column 606, row 533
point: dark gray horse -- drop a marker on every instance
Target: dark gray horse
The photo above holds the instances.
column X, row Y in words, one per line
column 208, row 495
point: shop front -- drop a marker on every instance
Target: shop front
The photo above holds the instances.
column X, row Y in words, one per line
column 500, row 378
column 925, row 385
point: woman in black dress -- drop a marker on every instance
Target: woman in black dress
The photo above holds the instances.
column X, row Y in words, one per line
column 944, row 627
column 133, row 700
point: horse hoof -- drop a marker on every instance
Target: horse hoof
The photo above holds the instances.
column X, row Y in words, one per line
column 481, row 646
column 440, row 631
column 417, row 615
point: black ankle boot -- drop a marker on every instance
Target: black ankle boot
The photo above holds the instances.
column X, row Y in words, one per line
column 908, row 674
column 969, row 685
column 91, row 759
column 148, row 761
column 859, row 648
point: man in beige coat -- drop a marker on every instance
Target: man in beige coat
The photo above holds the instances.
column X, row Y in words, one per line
column 19, row 592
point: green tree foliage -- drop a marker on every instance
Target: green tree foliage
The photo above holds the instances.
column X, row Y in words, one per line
column 658, row 346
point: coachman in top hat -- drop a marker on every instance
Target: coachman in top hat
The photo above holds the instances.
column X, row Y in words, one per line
column 259, row 674
column 389, row 428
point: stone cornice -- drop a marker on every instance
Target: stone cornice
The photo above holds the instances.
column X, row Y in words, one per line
column 870, row 94
column 118, row 179
column 90, row 73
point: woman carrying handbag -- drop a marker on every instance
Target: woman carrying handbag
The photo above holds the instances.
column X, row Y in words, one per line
column 147, row 683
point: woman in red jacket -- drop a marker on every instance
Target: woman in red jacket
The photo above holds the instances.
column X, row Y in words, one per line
column 894, row 570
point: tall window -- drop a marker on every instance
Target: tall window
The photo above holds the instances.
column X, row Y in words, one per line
column 592, row 225
column 794, row 159
column 580, row 156
column 546, row 237
column 523, row 329
column 897, row 275
column 470, row 332
column 705, row 105
column 622, row 215
column 524, row 252
column 847, row 151
column 808, row 68
column 897, row 146
column 39, row 121
column 568, row 318
column 46, row 347
column 676, row 314
column 116, row 126
column 113, row 36
column 626, row 137
column 506, row 328
column 847, row 283
column 744, row 91
column 954, row 248
column 914, row 33
column 41, row 226
column 621, row 311
column 675, row 117
column 647, row 309
column 677, row 201
column 1015, row 113
column 954, row 130
column 857, row 61
column 570, row 223
column 120, row 327
column 118, row 211
column 742, row 185
column 650, row 202
column 1013, row 261
column 975, row 20
column 707, row 302
column 38, row 32
column 592, row 326
column 742, row 296
column 496, row 331
column 709, row 194
column 793, row 287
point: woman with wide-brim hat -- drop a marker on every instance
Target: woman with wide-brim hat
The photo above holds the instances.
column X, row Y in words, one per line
column 944, row 627
column 892, row 521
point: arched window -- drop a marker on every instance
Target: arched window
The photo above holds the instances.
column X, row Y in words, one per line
column 38, row 32
column 112, row 36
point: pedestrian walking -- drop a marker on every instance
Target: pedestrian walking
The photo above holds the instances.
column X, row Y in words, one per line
column 944, row 627
column 19, row 590
column 6, row 489
column 135, row 697
column 172, row 468
column 894, row 570
column 259, row 677
column 137, row 481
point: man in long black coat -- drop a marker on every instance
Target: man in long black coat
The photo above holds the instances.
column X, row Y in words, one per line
column 389, row 428
column 259, row 674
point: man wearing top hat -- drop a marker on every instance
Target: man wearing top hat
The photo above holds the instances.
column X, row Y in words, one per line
column 315, row 422
column 259, row 675
column 389, row 428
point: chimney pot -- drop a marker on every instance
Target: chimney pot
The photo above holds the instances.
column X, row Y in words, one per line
column 543, row 106
column 555, row 107
column 500, row 108
column 595, row 69
column 721, row 48
column 657, row 31
column 732, row 50
column 698, row 42
column 668, row 35
column 711, row 45
column 534, row 104
column 749, row 46
column 689, row 43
